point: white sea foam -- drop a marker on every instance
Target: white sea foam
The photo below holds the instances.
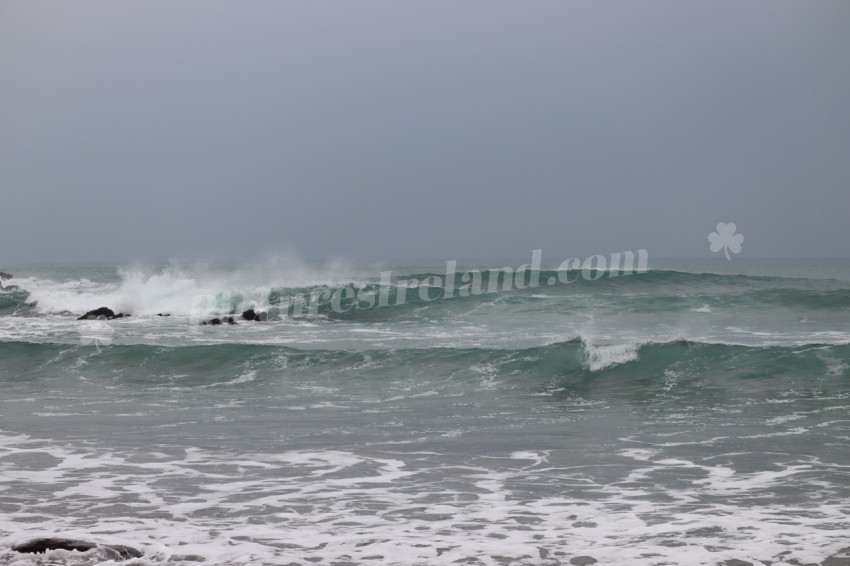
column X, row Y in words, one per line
column 344, row 506
column 176, row 289
column 598, row 357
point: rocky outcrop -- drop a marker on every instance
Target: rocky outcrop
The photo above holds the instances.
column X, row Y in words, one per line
column 250, row 314
column 218, row 321
column 40, row 545
column 103, row 313
column 188, row 558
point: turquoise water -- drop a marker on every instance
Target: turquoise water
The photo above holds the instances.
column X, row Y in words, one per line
column 690, row 414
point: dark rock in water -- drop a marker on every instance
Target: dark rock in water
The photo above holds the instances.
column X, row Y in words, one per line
column 217, row 321
column 124, row 552
column 97, row 313
column 251, row 314
column 188, row 558
column 160, row 314
column 45, row 544
column 40, row 545
column 103, row 313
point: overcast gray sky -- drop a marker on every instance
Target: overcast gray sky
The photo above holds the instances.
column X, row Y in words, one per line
column 435, row 130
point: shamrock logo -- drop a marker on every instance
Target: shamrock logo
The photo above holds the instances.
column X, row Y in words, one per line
column 726, row 239
column 96, row 332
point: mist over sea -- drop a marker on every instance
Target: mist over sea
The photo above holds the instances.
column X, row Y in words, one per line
column 692, row 413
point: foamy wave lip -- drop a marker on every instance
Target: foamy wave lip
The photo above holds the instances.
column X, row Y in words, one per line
column 58, row 297
column 175, row 289
column 601, row 357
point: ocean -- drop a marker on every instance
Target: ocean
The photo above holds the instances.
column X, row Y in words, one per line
column 696, row 412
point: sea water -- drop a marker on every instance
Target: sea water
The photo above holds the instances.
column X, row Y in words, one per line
column 692, row 413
